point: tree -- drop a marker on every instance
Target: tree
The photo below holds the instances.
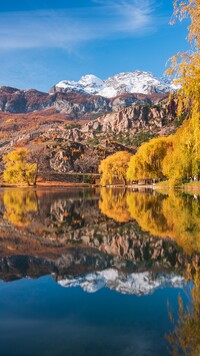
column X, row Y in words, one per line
column 147, row 163
column 18, row 169
column 114, row 167
column 186, row 67
column 182, row 160
column 38, row 154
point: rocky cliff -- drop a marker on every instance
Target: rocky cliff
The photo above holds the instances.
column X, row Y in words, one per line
column 73, row 104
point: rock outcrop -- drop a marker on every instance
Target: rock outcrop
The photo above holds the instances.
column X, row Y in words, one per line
column 132, row 119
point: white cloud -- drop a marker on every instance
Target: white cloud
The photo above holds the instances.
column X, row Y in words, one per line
column 68, row 28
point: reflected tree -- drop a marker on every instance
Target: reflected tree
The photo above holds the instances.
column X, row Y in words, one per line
column 170, row 215
column 113, row 204
column 19, row 204
column 185, row 337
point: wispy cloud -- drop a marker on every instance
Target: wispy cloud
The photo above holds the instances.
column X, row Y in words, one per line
column 69, row 27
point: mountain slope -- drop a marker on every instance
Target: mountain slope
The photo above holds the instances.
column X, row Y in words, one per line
column 75, row 105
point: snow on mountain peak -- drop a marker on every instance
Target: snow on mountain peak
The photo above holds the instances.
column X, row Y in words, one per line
column 136, row 283
column 125, row 82
column 91, row 80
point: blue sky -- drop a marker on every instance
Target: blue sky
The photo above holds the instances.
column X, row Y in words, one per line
column 43, row 42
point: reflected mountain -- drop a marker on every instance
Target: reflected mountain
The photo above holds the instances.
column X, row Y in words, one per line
column 132, row 242
column 142, row 283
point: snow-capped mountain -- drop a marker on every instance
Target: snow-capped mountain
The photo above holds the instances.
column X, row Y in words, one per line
column 136, row 283
column 130, row 82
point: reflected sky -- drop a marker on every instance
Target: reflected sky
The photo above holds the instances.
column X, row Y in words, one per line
column 40, row 317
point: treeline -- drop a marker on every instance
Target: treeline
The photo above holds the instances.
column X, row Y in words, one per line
column 175, row 158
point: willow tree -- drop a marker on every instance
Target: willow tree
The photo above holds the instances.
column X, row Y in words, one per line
column 18, row 170
column 186, row 68
column 147, row 163
column 114, row 167
column 181, row 160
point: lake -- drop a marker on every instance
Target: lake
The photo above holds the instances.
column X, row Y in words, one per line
column 99, row 272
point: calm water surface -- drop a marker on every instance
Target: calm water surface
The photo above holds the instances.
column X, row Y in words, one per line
column 98, row 272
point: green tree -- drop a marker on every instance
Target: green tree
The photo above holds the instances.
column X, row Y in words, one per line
column 18, row 170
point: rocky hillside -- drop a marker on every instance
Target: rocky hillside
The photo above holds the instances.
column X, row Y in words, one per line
column 73, row 130
column 74, row 105
column 150, row 118
column 69, row 147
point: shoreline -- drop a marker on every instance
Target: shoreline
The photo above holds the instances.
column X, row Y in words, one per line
column 188, row 187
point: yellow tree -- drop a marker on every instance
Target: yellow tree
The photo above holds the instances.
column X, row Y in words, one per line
column 181, row 160
column 18, row 169
column 186, row 67
column 136, row 169
column 114, row 167
column 147, row 163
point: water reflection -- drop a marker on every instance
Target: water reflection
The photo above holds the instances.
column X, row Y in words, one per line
column 19, row 205
column 128, row 241
column 144, row 230
column 185, row 337
column 174, row 215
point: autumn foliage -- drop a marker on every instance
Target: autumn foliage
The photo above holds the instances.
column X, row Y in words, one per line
column 18, row 169
column 114, row 167
column 176, row 158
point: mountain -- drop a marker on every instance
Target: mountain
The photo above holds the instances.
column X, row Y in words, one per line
column 142, row 283
column 71, row 126
column 79, row 146
column 129, row 82
column 76, row 105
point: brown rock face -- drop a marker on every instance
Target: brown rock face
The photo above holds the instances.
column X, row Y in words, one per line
column 74, row 105
column 134, row 118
